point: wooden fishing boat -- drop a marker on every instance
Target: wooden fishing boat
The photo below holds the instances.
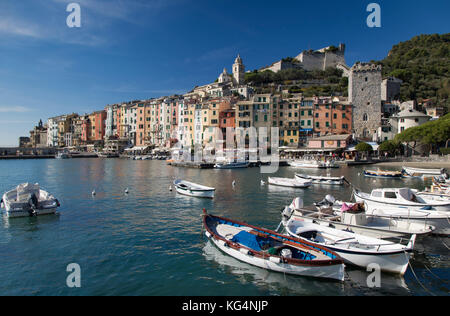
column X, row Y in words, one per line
column 193, row 189
column 321, row 180
column 29, row 200
column 292, row 183
column 272, row 251
column 354, row 248
column 383, row 174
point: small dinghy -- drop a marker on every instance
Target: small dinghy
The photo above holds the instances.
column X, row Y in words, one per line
column 29, row 200
column 292, row 183
column 272, row 251
column 193, row 189
column 321, row 180
column 383, row 174
column 354, row 248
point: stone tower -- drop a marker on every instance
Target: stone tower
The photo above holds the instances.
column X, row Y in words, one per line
column 238, row 71
column 364, row 92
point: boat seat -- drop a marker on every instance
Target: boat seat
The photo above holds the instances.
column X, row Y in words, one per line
column 228, row 231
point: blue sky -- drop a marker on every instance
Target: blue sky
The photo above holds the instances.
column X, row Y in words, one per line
column 136, row 49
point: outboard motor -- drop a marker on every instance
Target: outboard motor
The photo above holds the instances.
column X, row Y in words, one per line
column 296, row 204
column 286, row 214
column 33, row 204
column 286, row 253
column 327, row 201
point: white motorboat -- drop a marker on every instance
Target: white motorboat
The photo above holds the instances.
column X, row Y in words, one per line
column 287, row 182
column 421, row 171
column 399, row 220
column 398, row 198
column 321, row 180
column 63, row 155
column 315, row 164
column 193, row 189
column 331, row 164
column 352, row 217
column 354, row 248
column 437, row 219
column 232, row 165
column 29, row 200
column 272, row 251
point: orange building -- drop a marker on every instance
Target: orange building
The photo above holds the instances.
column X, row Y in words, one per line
column 98, row 125
column 332, row 116
column 143, row 126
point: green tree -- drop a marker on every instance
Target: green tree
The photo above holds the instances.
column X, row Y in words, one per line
column 364, row 147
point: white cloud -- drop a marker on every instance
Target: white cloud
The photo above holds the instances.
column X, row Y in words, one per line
column 20, row 28
column 14, row 109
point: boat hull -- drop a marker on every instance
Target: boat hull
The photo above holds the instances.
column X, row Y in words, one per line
column 382, row 204
column 236, row 165
column 290, row 183
column 23, row 213
column 419, row 171
column 335, row 272
column 389, row 260
column 321, row 180
column 439, row 220
column 198, row 194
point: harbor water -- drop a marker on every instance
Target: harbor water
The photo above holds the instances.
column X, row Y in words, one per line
column 150, row 241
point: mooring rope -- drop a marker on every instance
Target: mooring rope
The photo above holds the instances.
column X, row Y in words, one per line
column 435, row 274
column 418, row 281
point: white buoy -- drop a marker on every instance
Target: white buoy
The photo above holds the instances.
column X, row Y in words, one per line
column 234, row 183
column 170, row 188
column 126, row 191
column 94, row 193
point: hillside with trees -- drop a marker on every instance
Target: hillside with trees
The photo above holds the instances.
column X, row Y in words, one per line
column 423, row 63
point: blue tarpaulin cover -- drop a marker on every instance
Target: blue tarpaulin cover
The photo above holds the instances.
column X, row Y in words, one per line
column 248, row 240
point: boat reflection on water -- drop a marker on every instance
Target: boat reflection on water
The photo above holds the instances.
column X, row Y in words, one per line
column 246, row 273
column 355, row 281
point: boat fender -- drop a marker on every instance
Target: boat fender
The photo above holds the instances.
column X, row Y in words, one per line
column 245, row 251
column 286, row 253
column 275, row 259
